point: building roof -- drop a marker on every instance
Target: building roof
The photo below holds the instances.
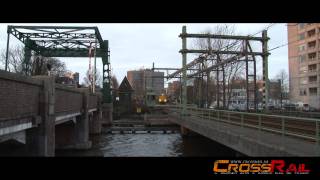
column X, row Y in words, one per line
column 125, row 85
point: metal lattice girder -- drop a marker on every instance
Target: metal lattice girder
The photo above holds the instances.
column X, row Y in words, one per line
column 189, row 65
column 70, row 52
column 219, row 52
column 64, row 41
column 54, row 38
column 217, row 36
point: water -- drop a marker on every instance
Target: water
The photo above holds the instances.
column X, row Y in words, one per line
column 152, row 145
column 137, row 145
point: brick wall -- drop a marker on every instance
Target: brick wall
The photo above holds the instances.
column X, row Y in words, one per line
column 18, row 97
column 67, row 100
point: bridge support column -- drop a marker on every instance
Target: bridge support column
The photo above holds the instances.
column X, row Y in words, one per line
column 82, row 126
column 96, row 119
column 107, row 110
column 95, row 122
column 41, row 140
column 185, row 132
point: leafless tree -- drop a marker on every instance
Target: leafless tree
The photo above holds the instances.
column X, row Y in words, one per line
column 114, row 82
column 279, row 93
column 88, row 82
column 231, row 70
column 38, row 63
column 284, row 79
column 15, row 59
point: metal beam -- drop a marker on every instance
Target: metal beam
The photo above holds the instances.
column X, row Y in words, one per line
column 184, row 72
column 216, row 36
column 213, row 67
column 83, row 52
column 54, row 27
column 189, row 65
column 172, row 69
column 218, row 52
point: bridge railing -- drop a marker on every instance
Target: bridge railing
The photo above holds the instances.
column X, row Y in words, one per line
column 23, row 99
column 19, row 96
column 67, row 100
column 298, row 127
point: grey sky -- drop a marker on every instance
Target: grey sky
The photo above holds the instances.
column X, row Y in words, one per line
column 137, row 45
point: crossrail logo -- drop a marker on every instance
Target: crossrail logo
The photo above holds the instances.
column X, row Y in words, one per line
column 259, row 167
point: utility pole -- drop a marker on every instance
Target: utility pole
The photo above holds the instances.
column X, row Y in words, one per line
column 95, row 68
column 7, row 52
column 265, row 69
column 184, row 71
column 281, row 91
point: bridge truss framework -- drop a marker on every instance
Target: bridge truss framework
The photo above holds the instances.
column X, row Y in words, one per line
column 63, row 41
column 197, row 68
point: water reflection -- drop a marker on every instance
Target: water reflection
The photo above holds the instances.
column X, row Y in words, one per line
column 137, row 145
column 152, row 145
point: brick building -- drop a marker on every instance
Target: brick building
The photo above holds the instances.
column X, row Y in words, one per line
column 304, row 68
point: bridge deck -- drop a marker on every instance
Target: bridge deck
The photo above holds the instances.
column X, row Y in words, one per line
column 248, row 140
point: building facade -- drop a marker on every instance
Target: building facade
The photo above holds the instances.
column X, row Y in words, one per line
column 145, row 79
column 173, row 88
column 304, row 58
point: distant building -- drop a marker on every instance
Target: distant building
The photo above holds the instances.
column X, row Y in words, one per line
column 173, row 87
column 238, row 94
column 69, row 78
column 125, row 100
column 304, row 67
column 146, row 79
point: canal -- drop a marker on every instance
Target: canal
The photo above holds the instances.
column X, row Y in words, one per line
column 136, row 145
column 152, row 145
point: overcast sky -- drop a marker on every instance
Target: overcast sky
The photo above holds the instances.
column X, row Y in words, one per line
column 136, row 45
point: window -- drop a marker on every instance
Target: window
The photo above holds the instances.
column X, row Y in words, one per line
column 311, row 33
column 301, row 25
column 313, row 91
column 312, row 79
column 303, row 69
column 301, row 36
column 303, row 80
column 302, row 58
column 312, row 44
column 303, row 92
column 301, row 48
column 312, row 68
column 312, row 56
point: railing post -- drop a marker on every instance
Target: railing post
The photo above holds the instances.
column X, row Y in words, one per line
column 317, row 133
column 228, row 116
column 202, row 112
column 241, row 120
column 282, row 131
column 259, row 121
column 282, row 127
column 218, row 115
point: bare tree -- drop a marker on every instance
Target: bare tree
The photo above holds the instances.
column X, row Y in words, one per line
column 114, row 82
column 88, row 82
column 15, row 59
column 231, row 69
column 283, row 79
column 38, row 63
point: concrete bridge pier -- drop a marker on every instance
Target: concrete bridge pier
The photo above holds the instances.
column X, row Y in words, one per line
column 75, row 134
column 95, row 122
column 41, row 139
column 107, row 109
column 95, row 119
column 185, row 132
